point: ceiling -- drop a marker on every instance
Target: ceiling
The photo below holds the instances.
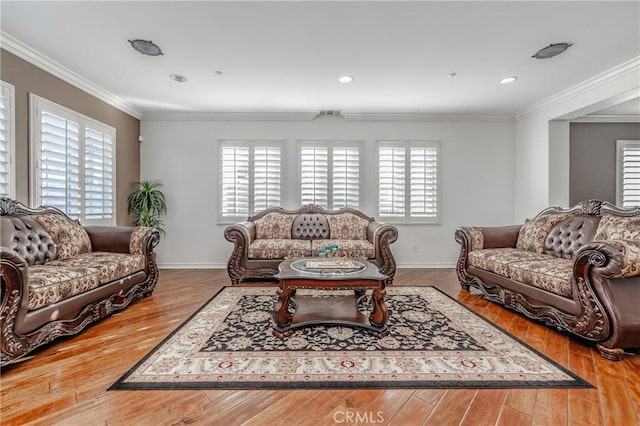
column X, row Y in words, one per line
column 287, row 56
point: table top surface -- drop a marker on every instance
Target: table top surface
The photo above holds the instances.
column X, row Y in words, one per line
column 328, row 269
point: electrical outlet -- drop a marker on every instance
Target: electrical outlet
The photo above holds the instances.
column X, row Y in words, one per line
column 415, row 248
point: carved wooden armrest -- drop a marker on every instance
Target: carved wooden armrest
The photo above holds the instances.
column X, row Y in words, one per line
column 611, row 258
column 382, row 235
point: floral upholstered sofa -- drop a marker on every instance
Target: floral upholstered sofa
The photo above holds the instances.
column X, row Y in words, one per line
column 264, row 240
column 576, row 269
column 58, row 276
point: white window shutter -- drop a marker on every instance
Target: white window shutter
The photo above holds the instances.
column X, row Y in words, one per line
column 267, row 181
column 423, row 191
column 629, row 173
column 235, row 181
column 98, row 174
column 391, row 180
column 346, row 177
column 60, row 164
column 314, row 173
column 6, row 135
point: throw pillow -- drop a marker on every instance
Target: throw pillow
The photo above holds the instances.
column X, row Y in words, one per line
column 533, row 233
column 618, row 228
column 347, row 226
column 274, row 226
column 70, row 237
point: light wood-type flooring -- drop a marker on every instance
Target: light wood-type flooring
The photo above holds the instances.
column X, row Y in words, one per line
column 66, row 382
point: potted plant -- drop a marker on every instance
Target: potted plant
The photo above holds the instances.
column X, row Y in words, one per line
column 147, row 203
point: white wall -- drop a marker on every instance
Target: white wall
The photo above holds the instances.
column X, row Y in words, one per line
column 543, row 145
column 477, row 179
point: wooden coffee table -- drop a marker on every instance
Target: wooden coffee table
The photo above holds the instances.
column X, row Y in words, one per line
column 294, row 312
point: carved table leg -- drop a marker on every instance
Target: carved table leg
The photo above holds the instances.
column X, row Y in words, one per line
column 380, row 314
column 281, row 315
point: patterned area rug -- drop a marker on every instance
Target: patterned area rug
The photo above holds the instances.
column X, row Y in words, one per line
column 433, row 341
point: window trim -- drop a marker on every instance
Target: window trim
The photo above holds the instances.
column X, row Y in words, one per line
column 330, row 144
column 10, row 88
column 251, row 143
column 407, row 219
column 620, row 145
column 36, row 104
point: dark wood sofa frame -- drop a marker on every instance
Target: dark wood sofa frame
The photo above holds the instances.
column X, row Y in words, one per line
column 23, row 331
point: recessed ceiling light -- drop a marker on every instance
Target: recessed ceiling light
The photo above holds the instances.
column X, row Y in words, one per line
column 345, row 79
column 178, row 77
column 508, row 80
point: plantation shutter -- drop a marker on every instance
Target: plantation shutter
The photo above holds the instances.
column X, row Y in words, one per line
column 60, row 163
column 346, row 177
column 314, row 173
column 424, row 181
column 6, row 135
column 629, row 173
column 391, row 180
column 235, row 181
column 98, row 174
column 267, row 177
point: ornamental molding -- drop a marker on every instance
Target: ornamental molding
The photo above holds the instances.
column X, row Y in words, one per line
column 629, row 67
column 18, row 48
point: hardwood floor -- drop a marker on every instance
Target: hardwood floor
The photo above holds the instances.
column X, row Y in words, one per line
column 66, row 382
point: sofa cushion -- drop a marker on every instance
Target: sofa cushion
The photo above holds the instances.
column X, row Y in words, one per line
column 533, row 233
column 28, row 239
column 274, row 226
column 70, row 237
column 618, row 228
column 347, row 226
column 497, row 260
column 349, row 248
column 49, row 284
column 310, row 227
column 553, row 274
column 110, row 266
column 568, row 236
column 279, row 248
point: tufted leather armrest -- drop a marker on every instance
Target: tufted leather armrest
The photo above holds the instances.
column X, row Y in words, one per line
column 478, row 238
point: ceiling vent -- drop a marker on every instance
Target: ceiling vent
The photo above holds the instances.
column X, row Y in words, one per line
column 551, row 50
column 329, row 113
column 146, row 47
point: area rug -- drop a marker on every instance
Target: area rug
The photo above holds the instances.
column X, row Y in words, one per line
column 433, row 341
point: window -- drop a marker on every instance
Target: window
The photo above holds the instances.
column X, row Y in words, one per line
column 408, row 181
column 7, row 141
column 73, row 162
column 628, row 173
column 330, row 174
column 250, row 177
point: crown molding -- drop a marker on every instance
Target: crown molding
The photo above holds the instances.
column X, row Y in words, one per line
column 628, row 67
column 425, row 117
column 228, row 116
column 18, row 48
column 310, row 116
column 608, row 118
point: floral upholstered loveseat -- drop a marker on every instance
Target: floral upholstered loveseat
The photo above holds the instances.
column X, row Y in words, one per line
column 58, row 276
column 576, row 269
column 264, row 240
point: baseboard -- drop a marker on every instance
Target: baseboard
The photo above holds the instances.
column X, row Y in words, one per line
column 425, row 265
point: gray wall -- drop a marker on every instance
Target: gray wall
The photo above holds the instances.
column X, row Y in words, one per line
column 593, row 159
